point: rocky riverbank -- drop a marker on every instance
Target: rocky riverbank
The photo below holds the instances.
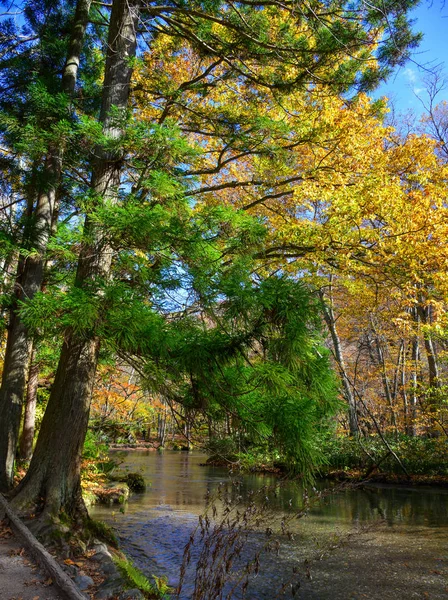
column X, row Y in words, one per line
column 68, row 568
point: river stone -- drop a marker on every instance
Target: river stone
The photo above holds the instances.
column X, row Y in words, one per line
column 103, row 556
column 114, row 582
column 106, row 592
column 108, row 568
column 83, row 581
column 118, row 494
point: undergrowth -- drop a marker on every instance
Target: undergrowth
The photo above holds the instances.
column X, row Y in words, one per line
column 419, row 455
column 134, row 578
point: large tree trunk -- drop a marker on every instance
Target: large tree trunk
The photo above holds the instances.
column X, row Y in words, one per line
column 54, row 473
column 53, row 478
column 30, row 274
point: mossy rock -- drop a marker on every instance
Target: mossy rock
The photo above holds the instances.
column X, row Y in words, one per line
column 114, row 495
column 135, row 482
column 101, row 531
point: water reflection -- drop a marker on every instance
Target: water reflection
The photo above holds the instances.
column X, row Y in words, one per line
column 403, row 555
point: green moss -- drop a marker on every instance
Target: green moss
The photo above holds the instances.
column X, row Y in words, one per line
column 99, row 529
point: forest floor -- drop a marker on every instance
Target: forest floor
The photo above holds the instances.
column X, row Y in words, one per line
column 20, row 577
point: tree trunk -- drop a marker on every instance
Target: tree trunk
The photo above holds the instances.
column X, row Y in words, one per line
column 54, row 476
column 54, row 473
column 13, row 384
column 385, row 380
column 8, row 262
column 15, row 365
column 407, row 418
column 431, row 354
column 337, row 349
column 161, row 429
column 211, row 434
column 30, row 274
column 187, row 428
column 433, row 401
column 415, row 359
column 26, row 441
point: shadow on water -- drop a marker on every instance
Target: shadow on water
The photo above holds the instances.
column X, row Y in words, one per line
column 388, row 542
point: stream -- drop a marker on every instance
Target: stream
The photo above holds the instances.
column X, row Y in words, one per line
column 376, row 542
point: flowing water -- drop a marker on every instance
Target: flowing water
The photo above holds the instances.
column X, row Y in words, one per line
column 375, row 542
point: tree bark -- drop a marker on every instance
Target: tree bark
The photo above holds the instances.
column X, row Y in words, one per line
column 30, row 273
column 54, row 476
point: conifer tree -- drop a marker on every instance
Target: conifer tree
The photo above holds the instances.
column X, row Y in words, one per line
column 274, row 46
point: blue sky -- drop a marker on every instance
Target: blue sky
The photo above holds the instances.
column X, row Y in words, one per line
column 431, row 19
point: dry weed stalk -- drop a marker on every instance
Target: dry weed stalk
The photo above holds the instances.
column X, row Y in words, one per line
column 215, row 548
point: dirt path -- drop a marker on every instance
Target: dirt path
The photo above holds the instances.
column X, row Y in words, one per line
column 20, row 578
